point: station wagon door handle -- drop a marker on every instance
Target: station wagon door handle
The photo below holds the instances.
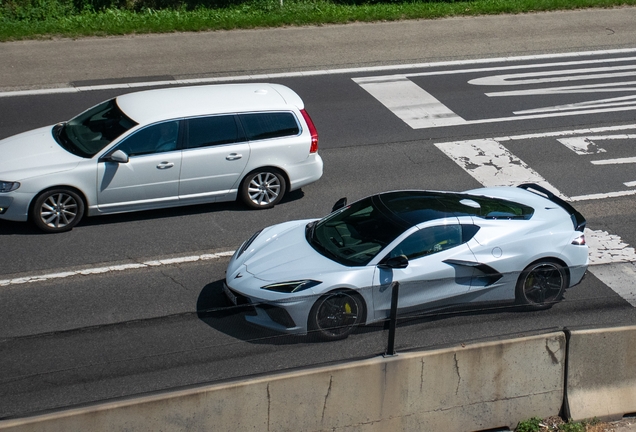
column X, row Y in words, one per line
column 165, row 165
column 233, row 156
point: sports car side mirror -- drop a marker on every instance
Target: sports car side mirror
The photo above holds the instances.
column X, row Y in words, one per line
column 397, row 262
column 119, row 156
column 339, row 204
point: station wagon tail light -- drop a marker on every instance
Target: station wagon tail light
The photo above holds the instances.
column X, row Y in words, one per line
column 312, row 131
column 580, row 240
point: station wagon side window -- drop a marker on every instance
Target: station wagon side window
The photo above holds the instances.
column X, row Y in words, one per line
column 157, row 138
column 212, row 131
column 269, row 125
column 430, row 240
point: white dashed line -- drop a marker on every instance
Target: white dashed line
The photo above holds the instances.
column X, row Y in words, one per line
column 116, row 268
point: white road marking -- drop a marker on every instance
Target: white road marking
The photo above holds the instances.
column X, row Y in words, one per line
column 618, row 161
column 420, row 110
column 407, row 100
column 613, row 262
column 491, row 164
column 258, row 77
column 115, row 268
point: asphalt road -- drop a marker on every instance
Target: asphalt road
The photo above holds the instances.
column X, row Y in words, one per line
column 80, row 339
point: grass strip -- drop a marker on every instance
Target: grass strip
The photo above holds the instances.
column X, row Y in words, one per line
column 53, row 18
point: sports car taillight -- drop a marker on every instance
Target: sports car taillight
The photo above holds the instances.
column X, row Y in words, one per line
column 580, row 240
column 312, row 131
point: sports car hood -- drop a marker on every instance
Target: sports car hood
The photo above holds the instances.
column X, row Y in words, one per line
column 285, row 255
column 33, row 153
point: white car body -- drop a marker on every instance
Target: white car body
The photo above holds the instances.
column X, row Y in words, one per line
column 485, row 266
column 36, row 161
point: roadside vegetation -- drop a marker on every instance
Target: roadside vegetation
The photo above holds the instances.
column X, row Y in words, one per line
column 556, row 424
column 29, row 19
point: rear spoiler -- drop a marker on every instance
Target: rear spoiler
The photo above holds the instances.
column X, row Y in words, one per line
column 578, row 220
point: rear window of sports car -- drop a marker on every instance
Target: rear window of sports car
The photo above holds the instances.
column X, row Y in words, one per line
column 416, row 207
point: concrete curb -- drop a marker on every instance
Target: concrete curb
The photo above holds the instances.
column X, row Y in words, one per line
column 476, row 387
column 602, row 373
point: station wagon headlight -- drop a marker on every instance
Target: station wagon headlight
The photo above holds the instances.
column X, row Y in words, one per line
column 8, row 186
column 292, row 286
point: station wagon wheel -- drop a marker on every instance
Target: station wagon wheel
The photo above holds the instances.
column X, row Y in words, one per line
column 335, row 315
column 263, row 189
column 57, row 210
column 541, row 284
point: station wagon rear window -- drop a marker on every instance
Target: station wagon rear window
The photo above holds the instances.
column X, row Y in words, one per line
column 269, row 125
column 211, row 131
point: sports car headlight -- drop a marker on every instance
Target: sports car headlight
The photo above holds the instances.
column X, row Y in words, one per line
column 292, row 286
column 8, row 186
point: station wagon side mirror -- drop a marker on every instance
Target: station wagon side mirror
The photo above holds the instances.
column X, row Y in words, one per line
column 396, row 262
column 118, row 156
column 339, row 204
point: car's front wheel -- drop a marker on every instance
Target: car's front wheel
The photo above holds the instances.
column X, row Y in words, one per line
column 263, row 189
column 335, row 315
column 541, row 284
column 57, row 210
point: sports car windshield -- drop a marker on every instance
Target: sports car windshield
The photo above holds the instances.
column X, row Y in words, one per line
column 356, row 234
column 88, row 133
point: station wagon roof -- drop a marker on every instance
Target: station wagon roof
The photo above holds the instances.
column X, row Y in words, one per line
column 151, row 106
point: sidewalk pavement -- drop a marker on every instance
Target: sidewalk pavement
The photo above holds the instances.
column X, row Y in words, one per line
column 85, row 61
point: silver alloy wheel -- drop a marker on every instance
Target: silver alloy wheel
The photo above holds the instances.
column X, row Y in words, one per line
column 59, row 210
column 264, row 188
column 542, row 284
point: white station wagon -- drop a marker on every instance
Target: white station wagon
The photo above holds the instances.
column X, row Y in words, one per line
column 161, row 148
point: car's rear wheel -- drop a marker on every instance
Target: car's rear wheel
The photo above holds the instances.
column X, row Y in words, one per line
column 541, row 284
column 263, row 189
column 335, row 315
column 57, row 210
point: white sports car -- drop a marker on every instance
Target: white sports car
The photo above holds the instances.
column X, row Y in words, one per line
column 328, row 276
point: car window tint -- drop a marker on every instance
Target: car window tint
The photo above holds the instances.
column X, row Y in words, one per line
column 269, row 125
column 428, row 241
column 91, row 131
column 157, row 138
column 211, row 131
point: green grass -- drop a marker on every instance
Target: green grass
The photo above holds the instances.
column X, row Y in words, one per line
column 29, row 19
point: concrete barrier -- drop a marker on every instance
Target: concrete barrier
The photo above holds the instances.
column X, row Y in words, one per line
column 473, row 387
column 602, row 373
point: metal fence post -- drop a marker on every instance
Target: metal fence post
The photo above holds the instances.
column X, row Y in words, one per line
column 395, row 289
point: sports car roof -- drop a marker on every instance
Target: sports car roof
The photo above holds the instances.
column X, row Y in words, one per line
column 415, row 207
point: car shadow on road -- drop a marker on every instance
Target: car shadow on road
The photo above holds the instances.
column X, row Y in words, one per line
column 28, row 228
column 214, row 309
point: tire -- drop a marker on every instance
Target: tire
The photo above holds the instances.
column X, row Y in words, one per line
column 57, row 210
column 335, row 315
column 263, row 189
column 541, row 285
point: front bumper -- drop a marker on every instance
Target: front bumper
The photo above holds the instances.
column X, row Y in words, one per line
column 289, row 316
column 14, row 206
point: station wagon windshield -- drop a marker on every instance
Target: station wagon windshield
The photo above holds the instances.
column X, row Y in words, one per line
column 88, row 133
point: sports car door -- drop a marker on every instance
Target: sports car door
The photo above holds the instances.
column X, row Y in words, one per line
column 428, row 280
